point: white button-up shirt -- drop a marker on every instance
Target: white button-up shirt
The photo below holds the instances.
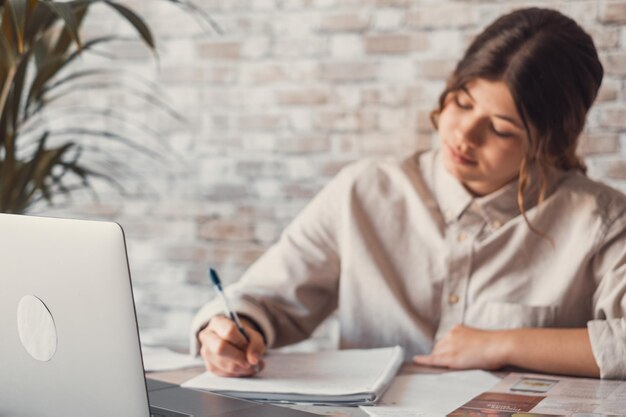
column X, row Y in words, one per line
column 404, row 252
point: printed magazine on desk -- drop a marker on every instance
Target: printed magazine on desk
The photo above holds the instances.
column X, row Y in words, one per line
column 533, row 395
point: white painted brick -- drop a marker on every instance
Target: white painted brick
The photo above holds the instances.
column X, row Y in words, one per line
column 376, row 144
column 356, row 21
column 300, row 121
column 177, row 50
column 266, row 232
column 581, row 11
column 217, row 167
column 387, row 95
column 443, row 15
column 303, row 143
column 295, row 25
column 263, row 5
column 346, row 46
column 347, row 97
column 256, row 47
column 268, row 188
column 257, row 98
column 446, row 43
column 612, row 12
column 388, row 19
column 393, row 120
column 231, row 6
column 288, row 47
column 324, row 4
column 397, row 71
column 349, row 71
column 255, row 141
column 246, row 25
column 302, row 168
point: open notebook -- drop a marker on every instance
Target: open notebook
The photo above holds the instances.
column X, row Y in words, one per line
column 339, row 377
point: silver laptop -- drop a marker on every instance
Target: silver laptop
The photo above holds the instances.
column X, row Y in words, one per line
column 69, row 342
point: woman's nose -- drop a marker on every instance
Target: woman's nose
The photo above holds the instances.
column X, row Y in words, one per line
column 470, row 131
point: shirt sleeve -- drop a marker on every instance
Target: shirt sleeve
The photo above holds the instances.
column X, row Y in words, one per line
column 292, row 287
column 607, row 331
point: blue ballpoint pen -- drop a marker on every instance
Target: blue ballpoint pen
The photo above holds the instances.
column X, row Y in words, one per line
column 232, row 314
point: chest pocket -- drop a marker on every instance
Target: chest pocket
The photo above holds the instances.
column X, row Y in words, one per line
column 500, row 316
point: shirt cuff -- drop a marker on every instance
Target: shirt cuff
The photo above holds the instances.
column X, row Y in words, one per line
column 215, row 307
column 608, row 344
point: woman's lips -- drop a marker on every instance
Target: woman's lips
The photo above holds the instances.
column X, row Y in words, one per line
column 460, row 158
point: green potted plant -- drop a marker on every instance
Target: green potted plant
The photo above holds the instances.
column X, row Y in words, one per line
column 39, row 43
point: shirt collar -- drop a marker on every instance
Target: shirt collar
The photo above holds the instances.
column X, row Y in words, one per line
column 452, row 197
column 501, row 206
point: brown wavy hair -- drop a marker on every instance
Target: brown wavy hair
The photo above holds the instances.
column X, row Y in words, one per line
column 551, row 67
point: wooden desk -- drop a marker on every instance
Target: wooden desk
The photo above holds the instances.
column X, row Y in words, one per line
column 180, row 376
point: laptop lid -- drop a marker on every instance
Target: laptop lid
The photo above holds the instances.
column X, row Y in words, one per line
column 69, row 343
column 66, row 349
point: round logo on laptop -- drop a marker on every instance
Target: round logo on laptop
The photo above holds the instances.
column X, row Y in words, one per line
column 36, row 328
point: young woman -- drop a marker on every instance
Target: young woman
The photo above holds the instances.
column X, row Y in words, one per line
column 493, row 250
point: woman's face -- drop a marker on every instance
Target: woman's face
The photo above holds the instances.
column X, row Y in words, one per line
column 482, row 136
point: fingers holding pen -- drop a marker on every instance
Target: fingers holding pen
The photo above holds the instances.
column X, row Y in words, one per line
column 227, row 330
column 222, row 357
column 227, row 341
column 227, row 352
column 253, row 347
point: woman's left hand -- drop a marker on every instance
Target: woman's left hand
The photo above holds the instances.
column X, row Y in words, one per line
column 467, row 348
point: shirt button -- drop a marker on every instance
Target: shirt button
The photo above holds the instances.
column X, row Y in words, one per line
column 462, row 236
column 453, row 299
column 496, row 224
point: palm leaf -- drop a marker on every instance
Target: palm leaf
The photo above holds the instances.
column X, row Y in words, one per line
column 20, row 187
column 136, row 21
column 65, row 37
column 64, row 11
column 51, row 65
column 149, row 98
column 18, row 87
column 86, row 132
column 7, row 69
column 101, row 114
column 199, row 14
column 20, row 12
column 37, row 31
column 10, row 26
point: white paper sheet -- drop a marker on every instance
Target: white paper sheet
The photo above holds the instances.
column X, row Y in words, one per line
column 163, row 359
column 431, row 395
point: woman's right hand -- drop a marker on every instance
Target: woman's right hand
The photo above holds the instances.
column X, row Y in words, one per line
column 225, row 350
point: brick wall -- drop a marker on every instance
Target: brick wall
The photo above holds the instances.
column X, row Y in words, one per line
column 287, row 95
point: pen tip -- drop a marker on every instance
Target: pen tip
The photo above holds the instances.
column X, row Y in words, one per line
column 214, row 278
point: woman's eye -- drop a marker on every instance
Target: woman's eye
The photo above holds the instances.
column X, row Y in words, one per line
column 462, row 104
column 501, row 133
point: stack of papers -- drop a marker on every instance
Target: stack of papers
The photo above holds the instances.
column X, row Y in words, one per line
column 431, row 395
column 341, row 377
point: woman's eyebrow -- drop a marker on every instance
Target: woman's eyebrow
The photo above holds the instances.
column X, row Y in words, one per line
column 509, row 119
